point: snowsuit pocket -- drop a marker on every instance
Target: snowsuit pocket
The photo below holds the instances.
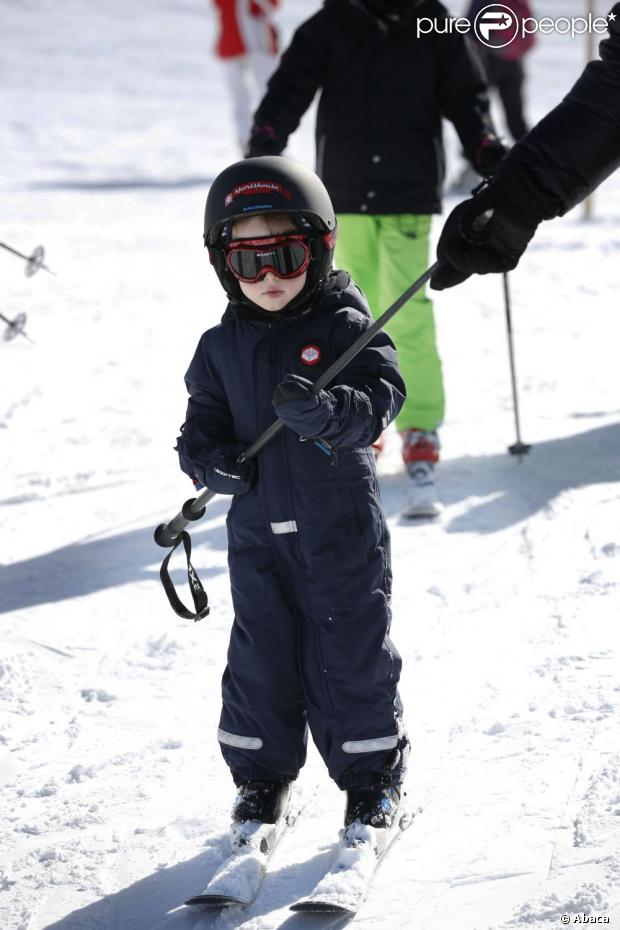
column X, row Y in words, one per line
column 337, row 543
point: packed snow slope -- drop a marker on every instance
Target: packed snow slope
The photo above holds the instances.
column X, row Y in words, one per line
column 115, row 800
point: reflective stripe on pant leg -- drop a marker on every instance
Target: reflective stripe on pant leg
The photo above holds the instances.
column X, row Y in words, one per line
column 370, row 745
column 239, row 742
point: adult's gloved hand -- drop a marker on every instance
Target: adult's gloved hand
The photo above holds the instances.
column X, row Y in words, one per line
column 303, row 410
column 263, row 140
column 483, row 235
column 489, row 155
column 218, row 469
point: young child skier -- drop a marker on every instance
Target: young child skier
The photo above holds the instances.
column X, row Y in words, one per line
column 387, row 72
column 308, row 544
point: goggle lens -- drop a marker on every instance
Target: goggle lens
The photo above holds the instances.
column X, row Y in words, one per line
column 250, row 260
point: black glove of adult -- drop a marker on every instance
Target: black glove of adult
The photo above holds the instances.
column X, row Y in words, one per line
column 303, row 409
column 490, row 153
column 263, row 140
column 218, row 469
column 482, row 235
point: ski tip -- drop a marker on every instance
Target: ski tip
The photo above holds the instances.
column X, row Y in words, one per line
column 408, row 814
column 320, row 907
column 421, row 513
column 214, row 901
column 407, row 817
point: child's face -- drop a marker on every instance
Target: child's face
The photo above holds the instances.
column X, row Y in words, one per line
column 271, row 292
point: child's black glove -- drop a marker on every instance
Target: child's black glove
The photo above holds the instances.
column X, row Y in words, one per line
column 303, row 409
column 219, row 470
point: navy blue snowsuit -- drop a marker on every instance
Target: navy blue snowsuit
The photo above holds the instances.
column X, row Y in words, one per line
column 308, row 544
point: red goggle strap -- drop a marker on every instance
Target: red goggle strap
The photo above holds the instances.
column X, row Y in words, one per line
column 265, row 242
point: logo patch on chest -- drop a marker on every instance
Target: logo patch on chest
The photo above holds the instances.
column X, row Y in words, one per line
column 310, row 354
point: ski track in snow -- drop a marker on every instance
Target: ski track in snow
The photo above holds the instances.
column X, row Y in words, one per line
column 115, row 800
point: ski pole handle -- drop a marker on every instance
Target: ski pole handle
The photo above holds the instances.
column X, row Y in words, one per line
column 478, row 233
column 167, row 534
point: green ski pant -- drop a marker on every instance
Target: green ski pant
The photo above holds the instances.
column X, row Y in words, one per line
column 384, row 255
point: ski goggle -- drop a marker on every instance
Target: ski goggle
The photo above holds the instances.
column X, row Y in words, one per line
column 286, row 256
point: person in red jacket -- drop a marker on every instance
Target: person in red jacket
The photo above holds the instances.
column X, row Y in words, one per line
column 247, row 46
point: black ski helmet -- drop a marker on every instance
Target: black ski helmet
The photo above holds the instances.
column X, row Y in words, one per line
column 270, row 184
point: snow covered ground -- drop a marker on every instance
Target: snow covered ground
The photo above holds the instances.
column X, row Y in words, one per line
column 115, row 800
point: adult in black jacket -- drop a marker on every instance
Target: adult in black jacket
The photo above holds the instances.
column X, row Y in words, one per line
column 568, row 154
column 383, row 92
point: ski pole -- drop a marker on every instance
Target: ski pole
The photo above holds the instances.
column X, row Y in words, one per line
column 519, row 448
column 172, row 533
column 479, row 235
column 167, row 534
column 15, row 327
column 34, row 261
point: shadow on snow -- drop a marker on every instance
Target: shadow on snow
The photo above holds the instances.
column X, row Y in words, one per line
column 509, row 491
column 82, row 568
column 155, row 902
column 513, row 490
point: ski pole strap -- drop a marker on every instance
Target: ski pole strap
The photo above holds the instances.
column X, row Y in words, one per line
column 199, row 595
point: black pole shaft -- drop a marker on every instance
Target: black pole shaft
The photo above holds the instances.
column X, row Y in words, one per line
column 519, row 447
column 165, row 534
column 511, row 354
column 14, row 251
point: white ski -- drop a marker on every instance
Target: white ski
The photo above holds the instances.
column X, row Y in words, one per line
column 343, row 889
column 238, row 879
column 429, row 510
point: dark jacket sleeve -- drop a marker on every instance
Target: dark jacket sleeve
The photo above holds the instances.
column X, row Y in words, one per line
column 462, row 90
column 206, row 447
column 369, row 392
column 291, row 88
column 576, row 146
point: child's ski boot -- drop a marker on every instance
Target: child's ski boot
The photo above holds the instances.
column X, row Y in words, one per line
column 420, row 455
column 262, row 801
column 375, row 807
